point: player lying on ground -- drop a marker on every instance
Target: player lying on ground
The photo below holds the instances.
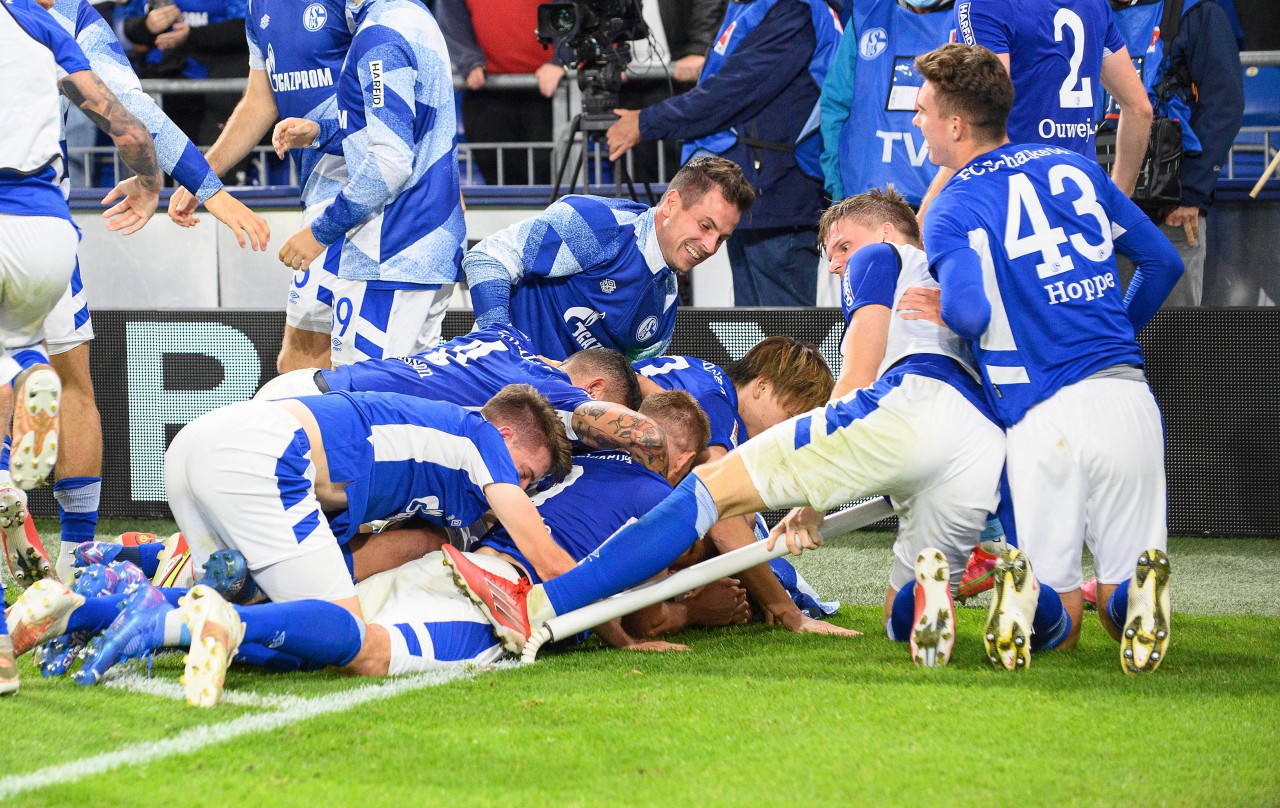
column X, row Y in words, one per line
column 593, row 391
column 416, row 617
column 921, row 433
column 778, row 378
column 1023, row 240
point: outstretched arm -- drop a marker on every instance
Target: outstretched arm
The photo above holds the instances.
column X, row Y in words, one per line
column 604, row 425
column 133, row 141
column 513, row 508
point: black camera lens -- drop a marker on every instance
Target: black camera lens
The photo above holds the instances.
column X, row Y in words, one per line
column 562, row 20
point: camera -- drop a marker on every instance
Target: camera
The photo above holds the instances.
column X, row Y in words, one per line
column 592, row 35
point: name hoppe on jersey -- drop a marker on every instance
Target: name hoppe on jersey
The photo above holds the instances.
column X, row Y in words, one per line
column 1089, row 288
column 287, row 80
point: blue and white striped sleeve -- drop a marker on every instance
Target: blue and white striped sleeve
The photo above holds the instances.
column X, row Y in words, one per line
column 379, row 157
column 558, row 242
column 175, row 152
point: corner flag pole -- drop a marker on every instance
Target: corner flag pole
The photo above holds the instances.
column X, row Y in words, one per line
column 686, row 580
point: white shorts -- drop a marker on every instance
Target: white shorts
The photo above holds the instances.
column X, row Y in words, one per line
column 69, row 324
column 294, row 384
column 241, row 477
column 37, row 257
column 1086, row 467
column 370, row 322
column 922, row 444
column 308, row 308
column 431, row 623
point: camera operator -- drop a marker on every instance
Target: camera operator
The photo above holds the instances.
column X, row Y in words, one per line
column 757, row 91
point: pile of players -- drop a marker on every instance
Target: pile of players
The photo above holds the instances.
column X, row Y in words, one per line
column 401, row 513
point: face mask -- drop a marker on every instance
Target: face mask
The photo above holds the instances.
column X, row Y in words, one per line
column 926, row 5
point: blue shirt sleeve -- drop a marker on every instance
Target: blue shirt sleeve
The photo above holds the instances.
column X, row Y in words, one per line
column 870, row 278
column 988, row 25
column 965, row 307
column 1157, row 265
column 41, row 26
column 836, row 102
column 1112, row 41
column 1205, row 42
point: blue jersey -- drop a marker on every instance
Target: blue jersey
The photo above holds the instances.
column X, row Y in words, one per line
column 301, row 48
column 37, row 54
column 1055, row 48
column 467, row 371
column 601, row 493
column 1140, row 28
column 175, row 152
column 709, row 385
column 585, row 273
column 1042, row 221
column 395, row 126
column 402, row 457
column 196, row 14
column 869, row 100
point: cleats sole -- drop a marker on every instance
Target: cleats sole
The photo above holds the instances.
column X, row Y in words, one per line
column 35, row 428
column 1145, row 638
column 41, row 614
column 216, row 632
column 25, row 555
column 933, row 632
column 512, row 640
column 1007, row 636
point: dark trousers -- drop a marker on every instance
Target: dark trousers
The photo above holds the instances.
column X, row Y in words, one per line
column 774, row 266
column 497, row 116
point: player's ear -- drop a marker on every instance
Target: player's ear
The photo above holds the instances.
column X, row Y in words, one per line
column 596, row 388
column 506, row 432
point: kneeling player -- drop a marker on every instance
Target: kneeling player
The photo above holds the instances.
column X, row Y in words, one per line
column 921, row 434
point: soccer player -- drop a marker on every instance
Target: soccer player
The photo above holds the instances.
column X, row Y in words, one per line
column 38, row 256
column 401, row 208
column 594, row 392
column 778, row 378
column 1022, row 241
column 1058, row 52
column 295, row 57
column 69, row 328
column 594, row 272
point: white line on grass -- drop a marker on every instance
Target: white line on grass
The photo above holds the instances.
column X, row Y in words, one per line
column 138, row 683
column 197, row 738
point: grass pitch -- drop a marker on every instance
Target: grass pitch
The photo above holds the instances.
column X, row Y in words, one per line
column 749, row 716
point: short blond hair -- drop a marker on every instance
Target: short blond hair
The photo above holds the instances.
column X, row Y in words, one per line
column 872, row 209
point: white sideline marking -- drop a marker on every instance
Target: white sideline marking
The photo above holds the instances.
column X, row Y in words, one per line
column 197, row 738
column 139, row 683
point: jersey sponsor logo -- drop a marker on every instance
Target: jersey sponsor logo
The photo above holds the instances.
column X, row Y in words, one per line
column 288, row 80
column 648, row 327
column 1050, row 128
column 608, row 285
column 375, row 81
column 965, row 24
column 1089, row 288
column 264, row 22
column 314, row 17
column 873, row 43
column 917, row 157
column 722, row 44
column 581, row 318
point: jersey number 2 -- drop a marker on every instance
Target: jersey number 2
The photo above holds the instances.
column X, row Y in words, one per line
column 1069, row 97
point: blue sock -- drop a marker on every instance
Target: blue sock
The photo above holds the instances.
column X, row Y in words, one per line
column 144, row 555
column 640, row 550
column 261, row 656
column 903, row 614
column 4, row 627
column 1004, row 512
column 4, row 453
column 95, row 615
column 172, row 593
column 78, row 499
column 313, row 630
column 1052, row 623
column 1118, row 604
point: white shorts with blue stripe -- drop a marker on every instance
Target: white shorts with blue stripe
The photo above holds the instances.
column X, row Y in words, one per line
column 430, row 622
column 37, row 257
column 69, row 324
column 919, row 442
column 308, row 308
column 378, row 320
column 241, row 477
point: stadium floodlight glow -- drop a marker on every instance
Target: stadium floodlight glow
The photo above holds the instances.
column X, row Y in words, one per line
column 687, row 580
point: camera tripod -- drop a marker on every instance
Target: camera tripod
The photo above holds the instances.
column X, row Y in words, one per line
column 587, row 128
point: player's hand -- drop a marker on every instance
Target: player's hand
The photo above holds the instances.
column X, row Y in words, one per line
column 800, row 530
column 246, row 224
column 922, row 303
column 300, row 250
column 549, row 76
column 803, row 624
column 1188, row 219
column 182, row 208
column 175, row 38
column 656, row 646
column 689, row 68
column 293, row 133
column 136, row 206
column 624, row 133
column 161, row 19
column 719, row 603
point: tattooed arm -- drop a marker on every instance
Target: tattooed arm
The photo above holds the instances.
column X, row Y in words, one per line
column 141, row 192
column 603, row 425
